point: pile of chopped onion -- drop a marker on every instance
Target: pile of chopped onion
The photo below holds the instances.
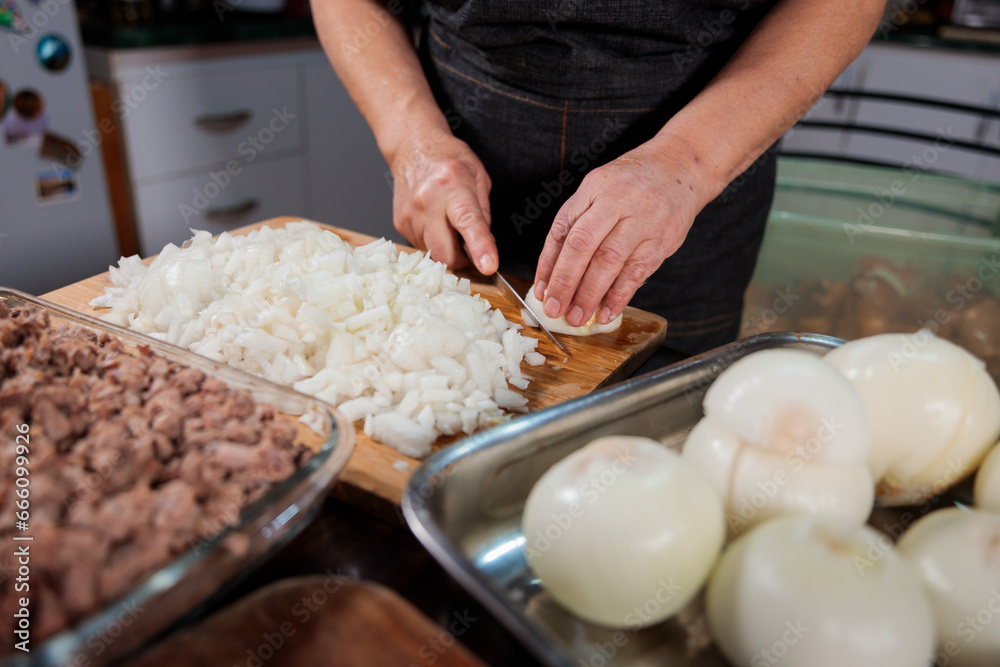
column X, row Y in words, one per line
column 388, row 337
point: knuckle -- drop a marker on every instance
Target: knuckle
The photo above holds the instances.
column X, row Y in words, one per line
column 560, row 286
column 593, row 179
column 587, row 297
column 422, row 196
column 635, row 272
column 612, row 252
column 580, row 240
column 559, row 229
column 467, row 219
column 445, row 172
column 616, row 300
column 403, row 221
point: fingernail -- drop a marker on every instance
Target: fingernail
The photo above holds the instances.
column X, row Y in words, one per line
column 575, row 316
column 604, row 316
column 485, row 263
column 551, row 307
column 540, row 290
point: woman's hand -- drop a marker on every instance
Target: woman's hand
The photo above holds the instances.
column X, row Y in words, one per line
column 615, row 231
column 441, row 200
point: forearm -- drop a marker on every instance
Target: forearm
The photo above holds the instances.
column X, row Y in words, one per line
column 381, row 72
column 775, row 77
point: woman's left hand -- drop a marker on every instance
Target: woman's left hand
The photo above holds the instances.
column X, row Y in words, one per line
column 614, row 232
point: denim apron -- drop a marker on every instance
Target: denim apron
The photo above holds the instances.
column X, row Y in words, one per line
column 545, row 92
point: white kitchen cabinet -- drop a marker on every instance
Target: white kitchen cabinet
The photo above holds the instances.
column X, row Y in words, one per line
column 347, row 183
column 890, row 116
column 169, row 209
column 196, row 118
column 216, row 137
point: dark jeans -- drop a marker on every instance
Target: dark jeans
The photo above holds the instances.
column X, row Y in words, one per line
column 537, row 150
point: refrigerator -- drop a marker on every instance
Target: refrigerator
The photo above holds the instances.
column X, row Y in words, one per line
column 56, row 225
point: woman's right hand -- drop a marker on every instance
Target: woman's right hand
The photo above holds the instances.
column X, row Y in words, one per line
column 441, row 200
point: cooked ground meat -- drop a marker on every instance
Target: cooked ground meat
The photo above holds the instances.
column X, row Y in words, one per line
column 133, row 460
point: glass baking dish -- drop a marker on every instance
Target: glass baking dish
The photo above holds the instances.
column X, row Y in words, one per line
column 168, row 594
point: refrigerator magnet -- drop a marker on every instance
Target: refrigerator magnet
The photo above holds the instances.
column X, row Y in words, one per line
column 53, row 52
column 11, row 19
column 27, row 120
column 5, row 93
column 56, row 185
column 61, row 150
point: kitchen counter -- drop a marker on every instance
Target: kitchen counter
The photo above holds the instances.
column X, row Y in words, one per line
column 946, row 38
column 236, row 27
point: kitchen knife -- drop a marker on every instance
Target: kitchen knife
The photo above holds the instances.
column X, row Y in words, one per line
column 502, row 283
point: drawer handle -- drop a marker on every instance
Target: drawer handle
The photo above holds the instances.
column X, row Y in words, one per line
column 237, row 210
column 223, row 122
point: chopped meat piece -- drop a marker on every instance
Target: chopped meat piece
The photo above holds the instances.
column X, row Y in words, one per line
column 51, row 419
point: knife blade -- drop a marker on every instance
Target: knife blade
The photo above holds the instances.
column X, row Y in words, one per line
column 502, row 283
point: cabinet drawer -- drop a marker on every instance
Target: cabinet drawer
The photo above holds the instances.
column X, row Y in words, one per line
column 167, row 211
column 964, row 78
column 202, row 118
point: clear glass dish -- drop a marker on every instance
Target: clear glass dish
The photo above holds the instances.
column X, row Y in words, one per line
column 168, row 594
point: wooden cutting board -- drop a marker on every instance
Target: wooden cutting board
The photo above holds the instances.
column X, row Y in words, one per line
column 316, row 620
column 594, row 361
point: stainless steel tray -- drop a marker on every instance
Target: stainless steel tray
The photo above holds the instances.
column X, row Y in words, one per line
column 171, row 592
column 465, row 505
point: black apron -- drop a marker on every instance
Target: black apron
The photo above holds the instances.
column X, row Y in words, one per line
column 544, row 92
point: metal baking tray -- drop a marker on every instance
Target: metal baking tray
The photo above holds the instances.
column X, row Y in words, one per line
column 170, row 593
column 465, row 504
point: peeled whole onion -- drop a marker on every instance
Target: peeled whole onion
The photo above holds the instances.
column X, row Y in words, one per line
column 934, row 411
column 956, row 553
column 987, row 489
column 804, row 591
column 783, row 433
column 622, row 532
column 559, row 325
